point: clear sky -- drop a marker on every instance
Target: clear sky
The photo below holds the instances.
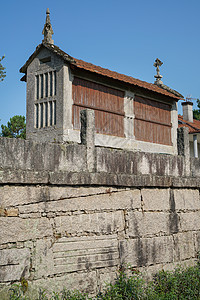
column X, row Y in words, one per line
column 122, row 35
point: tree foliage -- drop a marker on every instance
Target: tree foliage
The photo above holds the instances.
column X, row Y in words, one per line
column 2, row 69
column 16, row 128
column 196, row 112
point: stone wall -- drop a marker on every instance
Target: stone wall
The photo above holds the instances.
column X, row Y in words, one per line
column 71, row 214
column 77, row 236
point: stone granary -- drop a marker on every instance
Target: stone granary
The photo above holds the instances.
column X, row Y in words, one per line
column 129, row 113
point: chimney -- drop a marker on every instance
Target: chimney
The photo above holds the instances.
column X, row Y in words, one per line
column 187, row 111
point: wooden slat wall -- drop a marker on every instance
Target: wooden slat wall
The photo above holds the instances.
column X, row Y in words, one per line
column 107, row 102
column 152, row 121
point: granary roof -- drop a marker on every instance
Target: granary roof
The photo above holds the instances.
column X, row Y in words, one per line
column 80, row 64
column 194, row 127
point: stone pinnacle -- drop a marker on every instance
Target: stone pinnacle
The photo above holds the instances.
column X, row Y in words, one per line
column 48, row 31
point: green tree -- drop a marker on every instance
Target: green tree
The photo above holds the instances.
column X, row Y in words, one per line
column 2, row 70
column 196, row 112
column 16, row 128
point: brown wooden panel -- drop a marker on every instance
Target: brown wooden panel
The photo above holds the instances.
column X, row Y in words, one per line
column 147, row 109
column 105, row 123
column 107, row 102
column 152, row 132
column 152, row 121
column 97, row 95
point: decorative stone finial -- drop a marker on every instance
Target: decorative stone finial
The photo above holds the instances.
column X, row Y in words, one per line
column 48, row 31
column 158, row 77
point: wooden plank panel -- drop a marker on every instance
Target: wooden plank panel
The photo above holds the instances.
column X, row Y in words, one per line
column 152, row 121
column 151, row 132
column 107, row 102
column 97, row 95
column 151, row 110
column 105, row 123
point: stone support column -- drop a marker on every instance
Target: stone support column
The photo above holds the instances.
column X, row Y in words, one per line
column 129, row 115
column 174, row 121
column 184, row 147
column 195, row 146
column 88, row 136
column 67, row 100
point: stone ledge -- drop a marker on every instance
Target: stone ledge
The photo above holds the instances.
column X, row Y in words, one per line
column 9, row 176
column 23, row 177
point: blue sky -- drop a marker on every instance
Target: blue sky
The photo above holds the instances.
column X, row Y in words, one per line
column 124, row 36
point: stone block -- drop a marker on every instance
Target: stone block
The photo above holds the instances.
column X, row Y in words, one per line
column 155, row 199
column 32, row 208
column 187, row 199
column 20, row 195
column 85, row 253
column 189, row 221
column 147, row 224
column 17, row 229
column 43, row 258
column 60, row 193
column 104, row 223
column 12, row 212
column 17, row 176
column 128, row 199
column 184, row 246
column 84, row 282
column 14, row 263
column 147, row 251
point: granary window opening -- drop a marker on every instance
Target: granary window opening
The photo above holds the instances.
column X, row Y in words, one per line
column 45, row 111
column 45, row 60
column 42, row 85
column 46, row 85
column 45, row 114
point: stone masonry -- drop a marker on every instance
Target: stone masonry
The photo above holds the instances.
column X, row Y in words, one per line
column 69, row 219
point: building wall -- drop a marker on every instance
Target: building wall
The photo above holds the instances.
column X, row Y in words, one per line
column 41, row 95
column 54, row 117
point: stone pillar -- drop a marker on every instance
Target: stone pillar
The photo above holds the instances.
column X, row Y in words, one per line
column 88, row 136
column 195, row 146
column 174, row 121
column 129, row 115
column 66, row 89
column 183, row 145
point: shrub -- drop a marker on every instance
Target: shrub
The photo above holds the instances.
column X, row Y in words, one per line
column 178, row 284
column 124, row 287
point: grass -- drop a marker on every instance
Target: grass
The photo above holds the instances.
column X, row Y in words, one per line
column 178, row 284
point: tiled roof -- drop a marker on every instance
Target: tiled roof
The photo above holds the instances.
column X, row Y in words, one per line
column 124, row 78
column 102, row 71
column 194, row 127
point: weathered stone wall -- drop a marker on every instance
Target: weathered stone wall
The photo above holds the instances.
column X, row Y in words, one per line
column 70, row 214
column 77, row 236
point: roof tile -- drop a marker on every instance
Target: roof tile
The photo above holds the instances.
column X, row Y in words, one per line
column 99, row 70
column 194, row 127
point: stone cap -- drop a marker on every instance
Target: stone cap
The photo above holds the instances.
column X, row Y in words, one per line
column 187, row 103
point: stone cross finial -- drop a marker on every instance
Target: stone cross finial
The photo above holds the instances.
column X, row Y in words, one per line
column 158, row 77
column 47, row 31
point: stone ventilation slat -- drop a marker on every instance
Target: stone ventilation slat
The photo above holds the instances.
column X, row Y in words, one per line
column 45, row 112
